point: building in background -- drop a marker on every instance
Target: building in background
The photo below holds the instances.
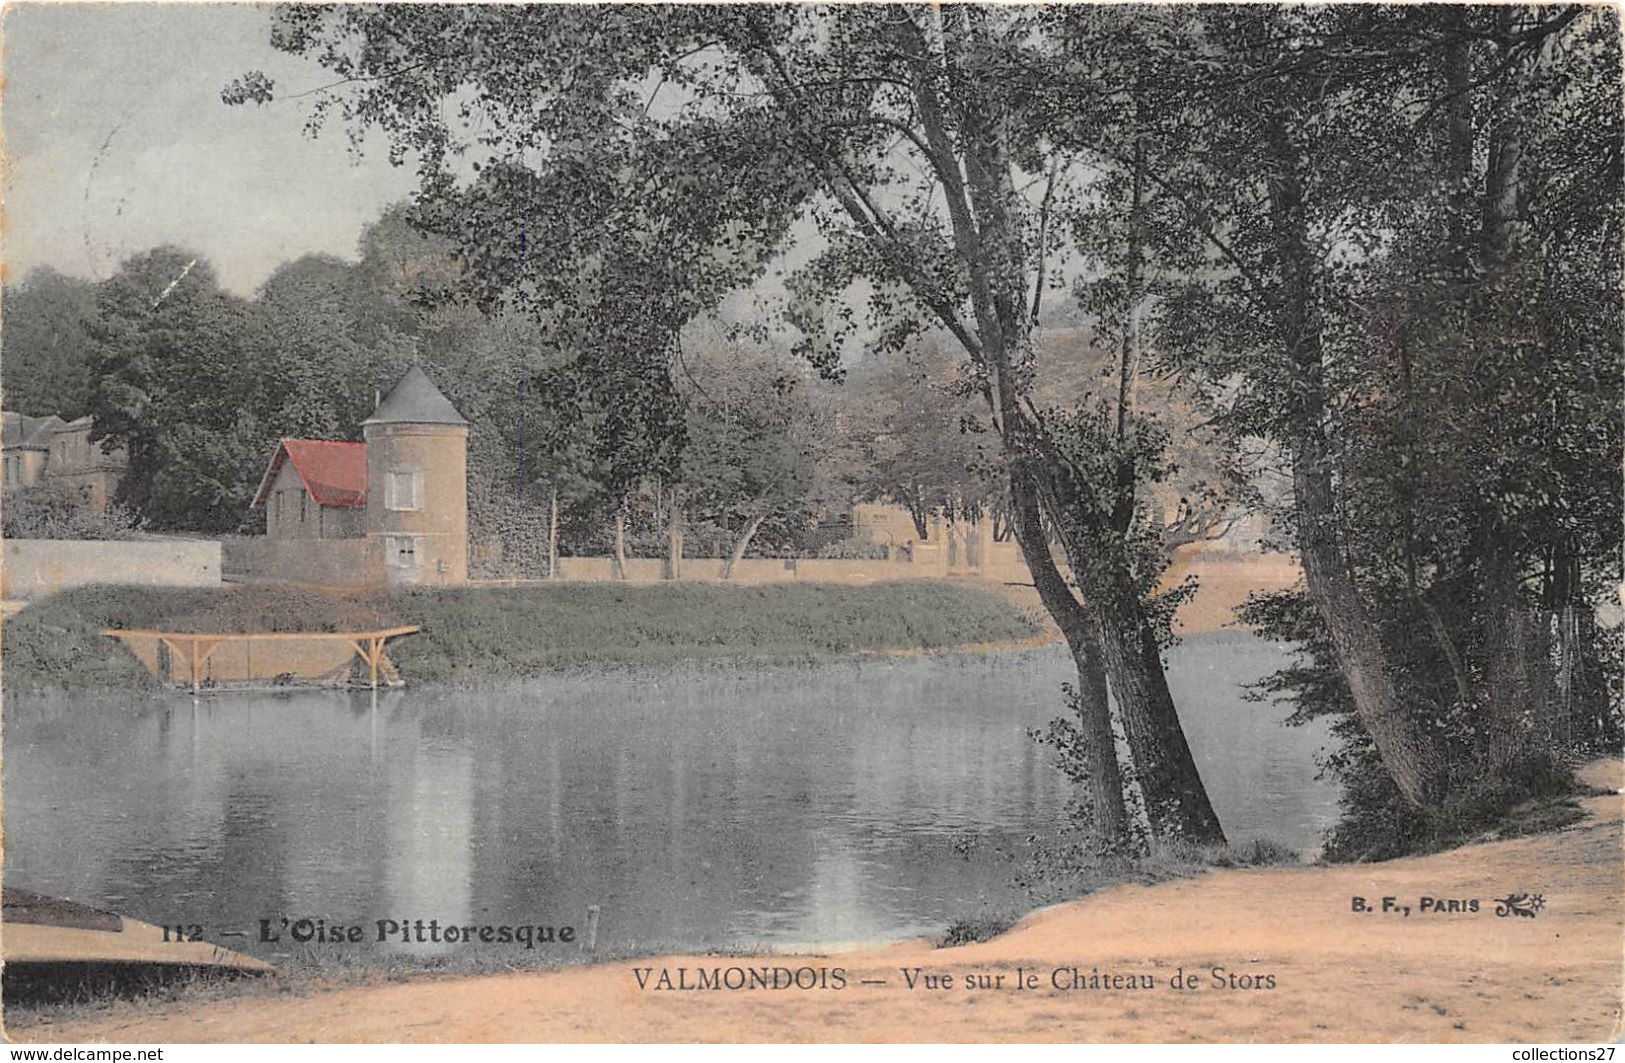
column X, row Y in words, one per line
column 390, row 510
column 54, row 452
column 417, row 483
column 315, row 489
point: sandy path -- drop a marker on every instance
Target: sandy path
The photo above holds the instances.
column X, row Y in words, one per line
column 1338, row 975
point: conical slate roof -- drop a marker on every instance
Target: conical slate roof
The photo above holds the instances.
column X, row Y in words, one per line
column 415, row 400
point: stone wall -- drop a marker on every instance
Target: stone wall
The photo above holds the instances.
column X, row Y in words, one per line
column 324, row 562
column 1224, row 577
column 33, row 568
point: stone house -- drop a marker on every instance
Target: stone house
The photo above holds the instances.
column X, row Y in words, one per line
column 390, row 510
column 315, row 489
column 49, row 450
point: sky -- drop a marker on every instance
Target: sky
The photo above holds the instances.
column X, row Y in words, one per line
column 117, row 141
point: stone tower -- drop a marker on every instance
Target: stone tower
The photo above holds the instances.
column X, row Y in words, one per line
column 417, row 484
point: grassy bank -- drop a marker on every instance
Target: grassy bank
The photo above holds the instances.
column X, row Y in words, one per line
column 484, row 633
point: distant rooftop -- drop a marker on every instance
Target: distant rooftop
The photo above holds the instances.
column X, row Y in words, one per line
column 29, row 433
column 415, row 400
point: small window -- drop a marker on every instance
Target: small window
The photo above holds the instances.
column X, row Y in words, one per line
column 303, row 500
column 401, row 551
column 403, row 489
column 279, row 495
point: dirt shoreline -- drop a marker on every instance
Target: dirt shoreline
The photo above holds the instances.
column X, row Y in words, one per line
column 1337, row 974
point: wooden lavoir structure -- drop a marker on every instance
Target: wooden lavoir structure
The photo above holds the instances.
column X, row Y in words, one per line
column 286, row 657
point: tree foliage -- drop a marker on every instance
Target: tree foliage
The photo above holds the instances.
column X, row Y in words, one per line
column 764, row 460
column 45, row 353
column 923, row 439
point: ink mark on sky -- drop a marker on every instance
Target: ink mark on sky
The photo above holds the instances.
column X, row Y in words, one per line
column 90, row 179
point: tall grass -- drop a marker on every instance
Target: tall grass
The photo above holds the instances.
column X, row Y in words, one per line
column 477, row 632
column 486, row 632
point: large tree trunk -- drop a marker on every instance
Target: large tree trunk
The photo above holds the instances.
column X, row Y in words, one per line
column 1105, row 777
column 1579, row 702
column 1512, row 673
column 985, row 208
column 1516, row 662
column 1128, row 357
column 1502, row 179
column 1175, row 798
column 1176, row 801
column 1459, row 162
column 740, row 545
column 919, row 515
column 1407, row 750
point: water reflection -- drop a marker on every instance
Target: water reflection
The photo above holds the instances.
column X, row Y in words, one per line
column 700, row 807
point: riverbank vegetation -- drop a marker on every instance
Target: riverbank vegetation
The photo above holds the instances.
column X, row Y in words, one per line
column 1072, row 867
column 474, row 633
column 1533, row 790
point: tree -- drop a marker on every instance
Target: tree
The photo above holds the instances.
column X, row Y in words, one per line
column 47, row 345
column 323, row 371
column 762, row 453
column 923, row 445
column 179, row 387
column 1375, row 298
column 908, row 133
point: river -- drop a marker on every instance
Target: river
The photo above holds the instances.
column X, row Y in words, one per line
column 703, row 806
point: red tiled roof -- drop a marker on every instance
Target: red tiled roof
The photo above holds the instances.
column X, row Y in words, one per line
column 334, row 473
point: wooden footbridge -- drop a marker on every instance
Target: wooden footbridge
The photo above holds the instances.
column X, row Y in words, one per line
column 287, row 657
